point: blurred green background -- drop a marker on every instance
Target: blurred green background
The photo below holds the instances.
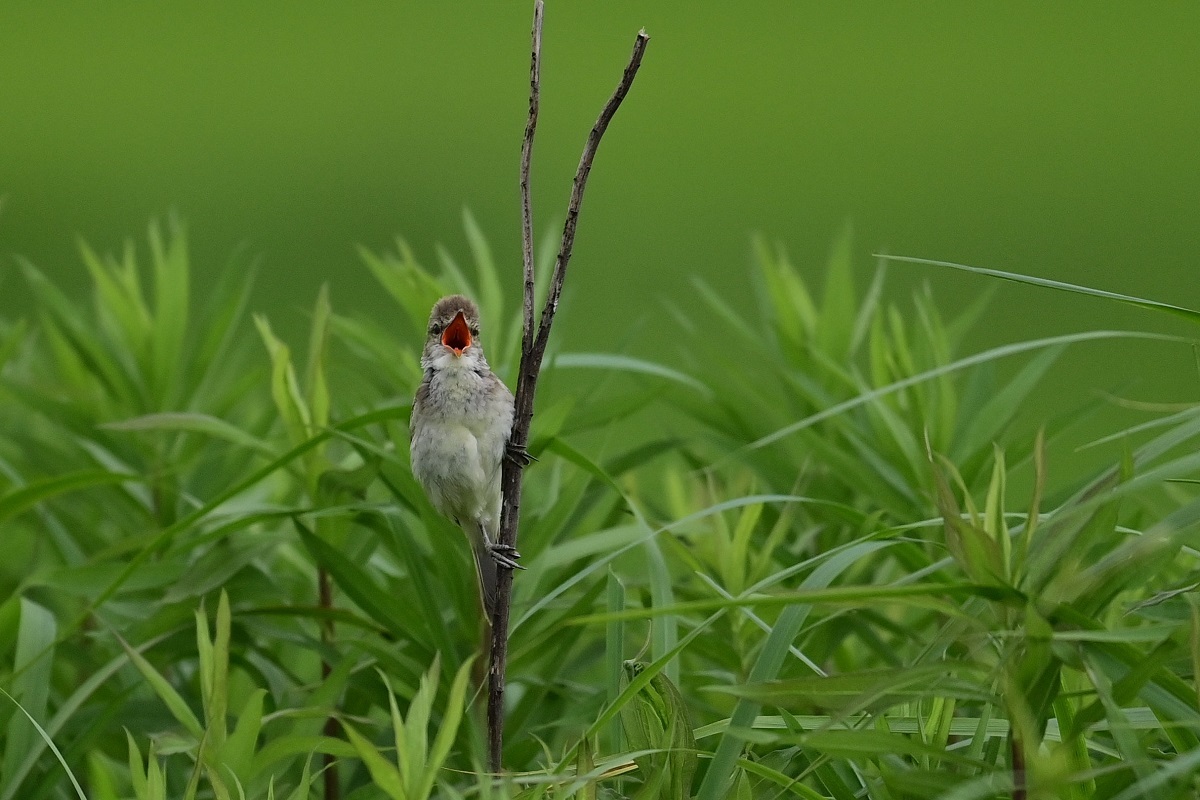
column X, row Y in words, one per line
column 1058, row 139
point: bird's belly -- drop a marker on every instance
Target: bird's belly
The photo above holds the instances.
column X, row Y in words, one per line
column 446, row 461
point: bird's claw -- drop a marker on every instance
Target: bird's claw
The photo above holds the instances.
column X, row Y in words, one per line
column 505, row 555
column 517, row 454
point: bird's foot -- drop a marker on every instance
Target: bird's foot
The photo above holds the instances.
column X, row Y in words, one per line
column 504, row 554
column 517, row 454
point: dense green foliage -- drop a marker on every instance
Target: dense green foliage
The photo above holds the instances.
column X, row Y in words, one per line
column 787, row 564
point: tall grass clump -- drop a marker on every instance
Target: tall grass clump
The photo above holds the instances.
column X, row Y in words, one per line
column 817, row 555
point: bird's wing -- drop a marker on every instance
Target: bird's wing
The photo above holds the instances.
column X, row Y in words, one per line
column 418, row 405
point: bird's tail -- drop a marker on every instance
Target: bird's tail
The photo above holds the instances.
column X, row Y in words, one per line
column 485, row 568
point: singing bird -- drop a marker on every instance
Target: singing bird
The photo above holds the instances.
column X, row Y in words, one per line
column 461, row 420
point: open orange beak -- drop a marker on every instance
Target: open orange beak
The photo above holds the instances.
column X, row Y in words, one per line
column 457, row 335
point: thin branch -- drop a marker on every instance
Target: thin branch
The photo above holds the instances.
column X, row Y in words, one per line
column 577, row 187
column 535, row 90
column 532, row 351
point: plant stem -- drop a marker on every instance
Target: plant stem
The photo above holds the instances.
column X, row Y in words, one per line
column 532, row 351
column 325, row 600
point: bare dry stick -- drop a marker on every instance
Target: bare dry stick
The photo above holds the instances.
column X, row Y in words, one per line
column 535, row 92
column 533, row 349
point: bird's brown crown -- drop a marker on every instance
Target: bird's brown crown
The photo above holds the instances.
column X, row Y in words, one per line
column 446, row 309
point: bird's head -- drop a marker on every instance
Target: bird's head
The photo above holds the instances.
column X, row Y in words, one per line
column 453, row 335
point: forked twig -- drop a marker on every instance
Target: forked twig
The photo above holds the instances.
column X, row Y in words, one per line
column 533, row 348
column 535, row 91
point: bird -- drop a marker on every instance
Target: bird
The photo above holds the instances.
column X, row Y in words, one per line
column 459, row 435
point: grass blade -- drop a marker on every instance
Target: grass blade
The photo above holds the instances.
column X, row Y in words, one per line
column 1047, row 283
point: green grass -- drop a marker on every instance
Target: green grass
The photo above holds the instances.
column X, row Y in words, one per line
column 821, row 553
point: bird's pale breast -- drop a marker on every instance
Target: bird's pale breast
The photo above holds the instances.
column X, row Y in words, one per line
column 459, row 433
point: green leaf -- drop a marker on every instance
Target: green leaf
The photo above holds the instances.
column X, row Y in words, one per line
column 412, row 735
column 137, row 772
column 1047, row 283
column 193, row 422
column 26, row 497
column 977, row 553
column 112, row 375
column 383, row 772
column 793, row 313
column 614, row 659
column 239, row 748
column 720, row 775
column 156, row 782
column 171, row 698
column 994, row 522
column 656, row 720
column 66, row 711
column 623, row 363
column 35, row 648
column 491, row 298
column 355, row 582
column 316, row 386
column 302, row 788
column 49, row 743
column 171, row 304
column 982, row 425
column 285, row 389
column 219, row 703
column 119, row 302
column 451, row 719
column 413, row 289
column 838, row 306
column 984, row 357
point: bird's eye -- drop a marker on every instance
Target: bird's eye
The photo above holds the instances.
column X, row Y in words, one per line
column 475, row 330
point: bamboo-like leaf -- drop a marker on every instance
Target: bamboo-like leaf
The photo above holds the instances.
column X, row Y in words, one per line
column 491, row 298
column 414, row 290
column 204, row 651
column 623, row 363
column 49, row 743
column 301, row 790
column 614, row 657
column 656, row 722
column 451, row 719
column 984, row 357
column 34, row 656
column 137, row 772
column 977, row 553
column 119, row 302
column 412, row 734
column 171, row 306
column 193, row 422
column 352, row 580
column 285, row 389
column 794, row 315
column 1048, row 283
column 26, row 497
column 383, row 772
column 156, row 782
column 218, row 708
column 238, row 751
column 994, row 522
column 665, row 626
column 982, row 425
column 174, row 702
column 780, row 779
column 1127, row 742
column 720, row 774
column 838, row 311
column 220, row 331
column 111, row 374
column 316, row 386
